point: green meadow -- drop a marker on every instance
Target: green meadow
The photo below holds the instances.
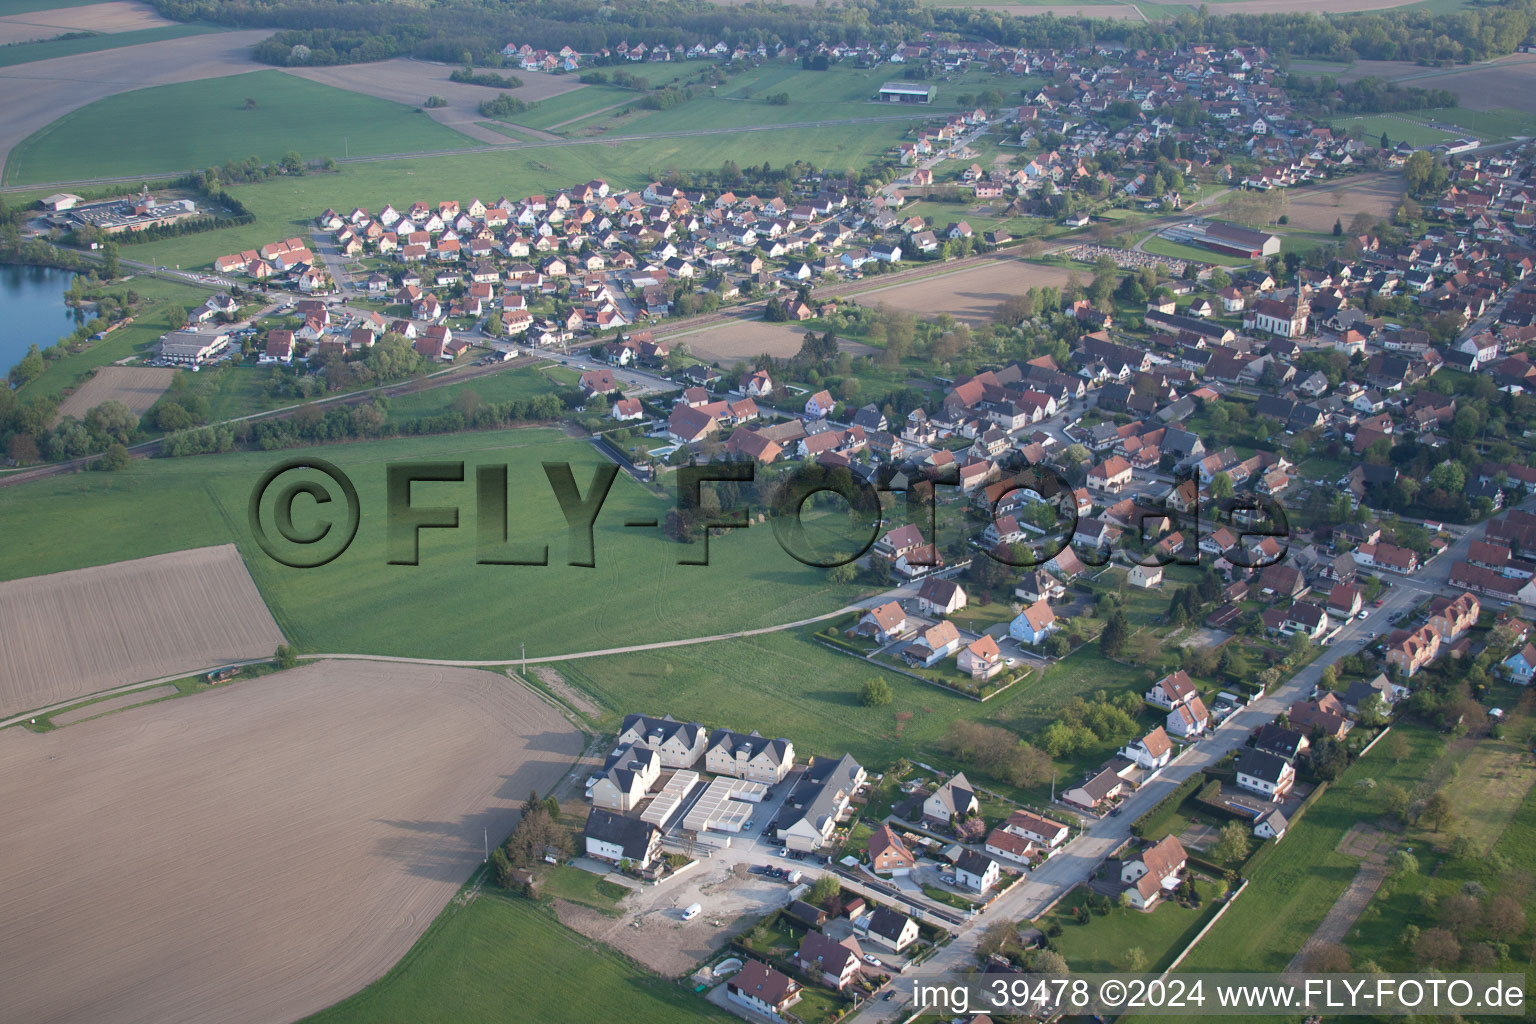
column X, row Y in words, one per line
column 447, row 606
column 193, row 125
column 475, row 963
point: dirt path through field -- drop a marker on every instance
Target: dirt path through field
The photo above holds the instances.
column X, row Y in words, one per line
column 258, row 852
column 1372, row 844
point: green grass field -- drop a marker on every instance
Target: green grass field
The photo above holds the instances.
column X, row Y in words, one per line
column 1159, row 246
column 447, row 606
column 1398, row 128
column 502, row 958
column 1293, row 889
column 8, row 7
column 197, row 124
column 1101, row 944
column 577, row 103
column 516, row 382
column 45, row 49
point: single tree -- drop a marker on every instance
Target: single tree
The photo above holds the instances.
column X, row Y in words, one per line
column 875, row 693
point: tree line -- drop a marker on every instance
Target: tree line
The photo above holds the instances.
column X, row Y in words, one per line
column 336, row 32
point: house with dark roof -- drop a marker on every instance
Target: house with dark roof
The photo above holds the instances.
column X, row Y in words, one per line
column 1096, row 790
column 616, row 838
column 834, row 961
column 893, row 930
column 763, row 989
column 751, row 756
column 1266, row 774
column 976, row 871
column 678, row 744
column 956, row 798
column 940, row 597
column 1280, row 741
column 812, row 809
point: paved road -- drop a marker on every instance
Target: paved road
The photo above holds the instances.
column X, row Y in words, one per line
column 1081, row 857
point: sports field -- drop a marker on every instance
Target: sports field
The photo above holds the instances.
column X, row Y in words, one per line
column 448, row 606
column 73, row 633
column 259, row 851
column 198, row 124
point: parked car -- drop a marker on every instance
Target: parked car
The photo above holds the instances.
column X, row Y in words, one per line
column 873, row 960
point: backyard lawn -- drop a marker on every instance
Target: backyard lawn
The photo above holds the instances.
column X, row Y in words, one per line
column 1101, row 944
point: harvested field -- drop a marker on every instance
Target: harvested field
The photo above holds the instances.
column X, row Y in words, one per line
column 412, row 81
column 259, row 852
column 137, row 387
column 740, row 341
column 733, row 340
column 1506, row 82
column 971, row 294
column 102, row 707
column 71, row 634
column 1315, row 209
column 108, row 18
column 39, row 93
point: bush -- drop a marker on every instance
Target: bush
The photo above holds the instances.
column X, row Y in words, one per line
column 503, row 106
column 114, row 459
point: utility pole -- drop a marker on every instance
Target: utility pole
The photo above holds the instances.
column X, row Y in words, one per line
column 525, row 658
column 1053, row 787
column 486, row 832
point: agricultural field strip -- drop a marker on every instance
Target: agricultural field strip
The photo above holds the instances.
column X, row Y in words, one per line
column 605, row 140
column 74, row 633
column 285, row 851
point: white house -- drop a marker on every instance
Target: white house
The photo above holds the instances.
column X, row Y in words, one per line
column 1263, row 773
column 1033, row 624
column 1189, row 719
column 976, row 871
column 1153, row 872
column 1152, row 751
column 894, row 931
column 1049, row 834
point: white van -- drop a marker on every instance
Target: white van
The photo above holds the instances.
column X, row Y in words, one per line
column 692, row 911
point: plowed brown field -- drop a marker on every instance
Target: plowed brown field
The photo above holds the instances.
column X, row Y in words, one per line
column 74, row 633
column 257, row 852
column 137, row 387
